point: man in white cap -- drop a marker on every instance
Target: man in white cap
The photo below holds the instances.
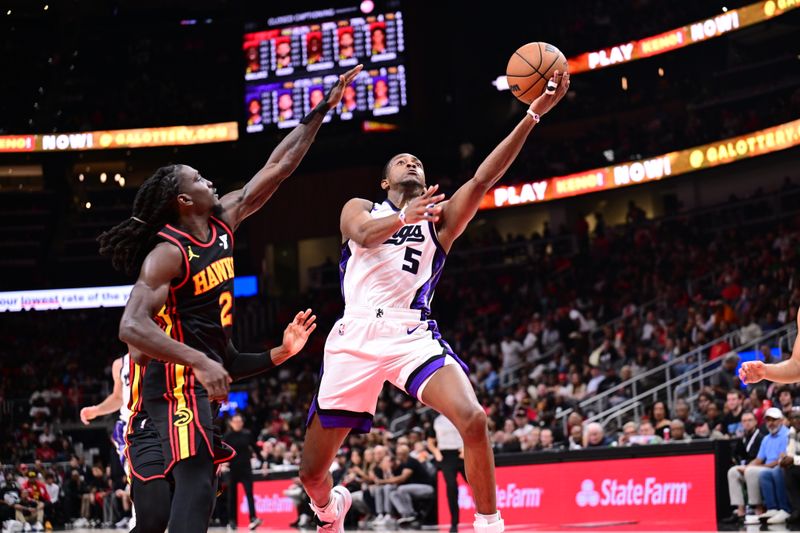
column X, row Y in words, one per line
column 771, row 481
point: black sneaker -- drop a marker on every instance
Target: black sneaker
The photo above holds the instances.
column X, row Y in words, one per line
column 732, row 519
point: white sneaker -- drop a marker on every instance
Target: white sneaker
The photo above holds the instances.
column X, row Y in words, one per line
column 343, row 503
column 751, row 519
column 779, row 517
column 482, row 526
column 769, row 514
column 26, row 526
column 39, row 527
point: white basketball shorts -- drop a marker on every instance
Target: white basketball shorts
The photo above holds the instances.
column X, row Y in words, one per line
column 368, row 346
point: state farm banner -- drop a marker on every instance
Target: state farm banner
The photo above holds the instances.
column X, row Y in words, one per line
column 675, row 492
column 655, row 168
column 111, row 139
column 272, row 506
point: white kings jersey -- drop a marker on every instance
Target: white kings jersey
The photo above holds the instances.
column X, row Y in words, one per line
column 400, row 273
column 125, row 380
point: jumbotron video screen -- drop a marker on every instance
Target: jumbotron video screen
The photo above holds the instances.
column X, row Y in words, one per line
column 292, row 61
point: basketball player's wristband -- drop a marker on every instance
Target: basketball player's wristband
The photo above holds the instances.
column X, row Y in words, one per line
column 402, row 215
column 535, row 116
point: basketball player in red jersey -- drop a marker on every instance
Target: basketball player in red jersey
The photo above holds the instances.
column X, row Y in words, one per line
column 393, row 254
column 180, row 313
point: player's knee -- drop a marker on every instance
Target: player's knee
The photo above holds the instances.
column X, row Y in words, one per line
column 473, row 427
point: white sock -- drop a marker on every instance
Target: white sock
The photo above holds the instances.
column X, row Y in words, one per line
column 328, row 512
column 490, row 518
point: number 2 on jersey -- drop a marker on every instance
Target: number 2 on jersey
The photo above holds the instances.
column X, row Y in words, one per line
column 225, row 304
column 412, row 257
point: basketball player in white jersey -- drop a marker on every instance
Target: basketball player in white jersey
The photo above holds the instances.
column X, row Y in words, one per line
column 392, row 257
column 118, row 400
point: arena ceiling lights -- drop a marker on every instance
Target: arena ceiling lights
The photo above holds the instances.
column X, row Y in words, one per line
column 693, row 33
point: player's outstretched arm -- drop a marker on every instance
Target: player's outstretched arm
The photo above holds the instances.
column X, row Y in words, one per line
column 246, row 365
column 284, row 160
column 784, row 372
column 111, row 403
column 137, row 328
column 462, row 206
column 357, row 225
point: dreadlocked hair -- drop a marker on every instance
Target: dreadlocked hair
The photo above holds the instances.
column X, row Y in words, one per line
column 129, row 242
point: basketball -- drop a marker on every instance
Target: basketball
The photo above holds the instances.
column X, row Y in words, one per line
column 531, row 66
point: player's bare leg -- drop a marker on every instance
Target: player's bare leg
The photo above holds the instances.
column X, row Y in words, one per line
column 450, row 392
column 319, row 452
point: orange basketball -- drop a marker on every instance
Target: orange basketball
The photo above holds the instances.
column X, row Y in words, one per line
column 531, row 66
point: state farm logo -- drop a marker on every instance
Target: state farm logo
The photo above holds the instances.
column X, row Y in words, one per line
column 615, row 493
column 587, row 495
column 509, row 497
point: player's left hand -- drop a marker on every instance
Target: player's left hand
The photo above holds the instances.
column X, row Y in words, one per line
column 344, row 80
column 87, row 414
column 296, row 333
column 550, row 98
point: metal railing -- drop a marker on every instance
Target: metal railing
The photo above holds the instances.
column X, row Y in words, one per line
column 688, row 383
column 599, row 402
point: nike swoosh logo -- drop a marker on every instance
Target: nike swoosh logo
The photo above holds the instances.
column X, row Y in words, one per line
column 412, row 330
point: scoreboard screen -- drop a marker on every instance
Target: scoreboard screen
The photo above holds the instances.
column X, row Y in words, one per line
column 289, row 67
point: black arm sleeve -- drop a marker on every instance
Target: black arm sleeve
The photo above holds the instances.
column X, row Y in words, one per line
column 246, row 365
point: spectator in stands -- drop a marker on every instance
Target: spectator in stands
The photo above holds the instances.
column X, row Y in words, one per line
column 381, row 487
column 628, row 431
column 771, row 480
column 30, row 511
column 596, row 378
column 413, row 483
column 727, row 378
column 772, row 447
column 594, row 436
column 659, row 418
column 522, row 424
column 646, row 434
column 731, row 423
column 677, row 432
column 682, row 412
column 714, row 418
column 575, row 439
column 745, row 452
column 786, row 400
column 548, row 442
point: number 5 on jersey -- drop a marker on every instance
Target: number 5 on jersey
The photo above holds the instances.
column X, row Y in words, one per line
column 412, row 258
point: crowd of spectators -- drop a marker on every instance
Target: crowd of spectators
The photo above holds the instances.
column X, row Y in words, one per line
column 541, row 331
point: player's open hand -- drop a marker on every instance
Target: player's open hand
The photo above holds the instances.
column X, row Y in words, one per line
column 752, row 372
column 88, row 414
column 557, row 87
column 297, row 332
column 344, row 80
column 425, row 207
column 214, row 378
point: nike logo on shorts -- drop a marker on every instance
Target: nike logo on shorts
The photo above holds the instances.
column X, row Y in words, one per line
column 412, row 330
